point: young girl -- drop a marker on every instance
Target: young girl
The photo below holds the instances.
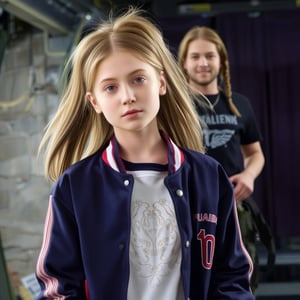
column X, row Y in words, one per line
column 138, row 211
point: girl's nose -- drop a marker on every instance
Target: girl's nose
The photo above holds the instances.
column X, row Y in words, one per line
column 128, row 95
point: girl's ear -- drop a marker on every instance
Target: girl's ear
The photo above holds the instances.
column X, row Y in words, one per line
column 163, row 84
column 89, row 96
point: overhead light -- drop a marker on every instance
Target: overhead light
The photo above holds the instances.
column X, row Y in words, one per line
column 187, row 8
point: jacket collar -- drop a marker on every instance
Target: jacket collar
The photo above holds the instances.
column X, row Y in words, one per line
column 112, row 157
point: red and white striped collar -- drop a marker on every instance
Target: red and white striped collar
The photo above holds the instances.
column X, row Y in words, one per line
column 112, row 158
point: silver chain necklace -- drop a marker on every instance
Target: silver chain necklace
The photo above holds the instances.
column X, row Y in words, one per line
column 212, row 105
column 216, row 101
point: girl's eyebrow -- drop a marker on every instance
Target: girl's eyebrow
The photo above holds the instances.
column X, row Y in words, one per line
column 129, row 74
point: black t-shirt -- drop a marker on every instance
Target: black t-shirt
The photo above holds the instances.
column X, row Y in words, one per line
column 224, row 132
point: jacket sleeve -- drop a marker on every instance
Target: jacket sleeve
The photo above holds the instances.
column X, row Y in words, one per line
column 59, row 267
column 232, row 266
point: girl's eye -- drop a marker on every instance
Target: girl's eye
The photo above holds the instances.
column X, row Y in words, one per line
column 110, row 88
column 139, row 79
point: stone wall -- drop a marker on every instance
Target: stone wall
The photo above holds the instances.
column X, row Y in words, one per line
column 28, row 98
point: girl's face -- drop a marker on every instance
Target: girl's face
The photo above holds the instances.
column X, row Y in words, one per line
column 127, row 91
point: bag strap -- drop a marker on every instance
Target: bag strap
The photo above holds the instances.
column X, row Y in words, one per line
column 264, row 230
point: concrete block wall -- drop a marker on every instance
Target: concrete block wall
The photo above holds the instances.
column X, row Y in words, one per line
column 26, row 105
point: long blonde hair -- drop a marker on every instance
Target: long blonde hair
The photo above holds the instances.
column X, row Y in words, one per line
column 208, row 34
column 76, row 131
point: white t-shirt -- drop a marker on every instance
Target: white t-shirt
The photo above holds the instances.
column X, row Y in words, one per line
column 155, row 246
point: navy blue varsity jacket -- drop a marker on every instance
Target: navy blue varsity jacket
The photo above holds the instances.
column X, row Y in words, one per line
column 85, row 247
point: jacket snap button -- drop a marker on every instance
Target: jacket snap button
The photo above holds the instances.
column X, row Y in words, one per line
column 187, row 244
column 179, row 193
column 126, row 182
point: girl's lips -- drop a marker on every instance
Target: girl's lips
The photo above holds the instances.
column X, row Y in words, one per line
column 131, row 112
